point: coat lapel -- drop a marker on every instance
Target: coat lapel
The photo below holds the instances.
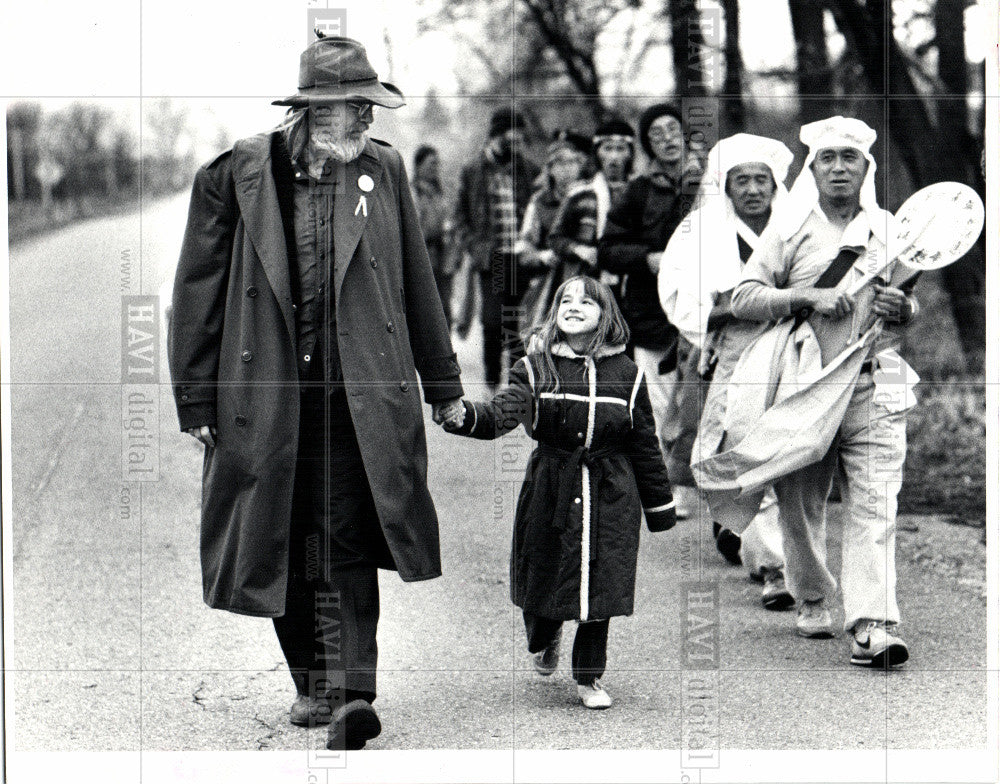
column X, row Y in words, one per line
column 258, row 200
column 348, row 220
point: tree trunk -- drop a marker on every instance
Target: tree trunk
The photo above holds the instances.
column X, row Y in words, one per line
column 693, row 62
column 931, row 152
column 733, row 110
column 814, row 76
column 579, row 63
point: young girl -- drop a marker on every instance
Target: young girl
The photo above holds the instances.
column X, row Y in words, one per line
column 598, row 463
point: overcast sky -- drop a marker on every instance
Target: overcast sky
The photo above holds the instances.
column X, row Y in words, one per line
column 241, row 55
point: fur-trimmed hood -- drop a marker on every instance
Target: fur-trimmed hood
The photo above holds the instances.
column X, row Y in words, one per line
column 562, row 349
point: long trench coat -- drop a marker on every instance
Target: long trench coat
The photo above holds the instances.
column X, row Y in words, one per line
column 233, row 361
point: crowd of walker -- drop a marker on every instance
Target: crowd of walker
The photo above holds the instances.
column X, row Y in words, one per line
column 311, row 263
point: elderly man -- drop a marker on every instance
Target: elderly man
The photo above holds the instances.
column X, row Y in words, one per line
column 303, row 305
column 805, row 261
column 742, row 188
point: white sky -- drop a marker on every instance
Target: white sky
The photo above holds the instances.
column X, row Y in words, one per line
column 241, row 55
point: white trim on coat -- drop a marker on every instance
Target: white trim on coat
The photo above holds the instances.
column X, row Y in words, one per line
column 631, row 400
column 585, row 489
column 583, row 398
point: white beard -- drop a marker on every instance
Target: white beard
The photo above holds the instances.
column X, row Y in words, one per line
column 342, row 150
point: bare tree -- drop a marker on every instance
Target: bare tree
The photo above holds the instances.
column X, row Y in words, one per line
column 692, row 76
column 733, row 109
column 813, row 74
column 933, row 142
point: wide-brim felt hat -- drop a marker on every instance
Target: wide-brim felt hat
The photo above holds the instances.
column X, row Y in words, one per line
column 334, row 68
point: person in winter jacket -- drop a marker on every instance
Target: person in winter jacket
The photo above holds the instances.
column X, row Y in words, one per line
column 596, row 471
column 637, row 231
column 433, row 210
column 565, row 163
column 581, row 219
column 492, row 196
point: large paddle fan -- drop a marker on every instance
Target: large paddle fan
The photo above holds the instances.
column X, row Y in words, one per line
column 936, row 227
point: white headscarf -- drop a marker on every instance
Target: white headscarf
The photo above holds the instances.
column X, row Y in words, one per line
column 804, row 197
column 702, row 257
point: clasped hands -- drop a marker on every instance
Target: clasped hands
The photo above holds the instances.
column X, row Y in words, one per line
column 449, row 413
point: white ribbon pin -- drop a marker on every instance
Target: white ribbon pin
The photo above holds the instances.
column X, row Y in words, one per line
column 365, row 183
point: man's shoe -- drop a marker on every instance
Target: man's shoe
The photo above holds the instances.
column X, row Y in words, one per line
column 310, row 711
column 353, row 725
column 547, row 660
column 728, row 543
column 593, row 695
column 814, row 620
column 775, row 595
column 872, row 645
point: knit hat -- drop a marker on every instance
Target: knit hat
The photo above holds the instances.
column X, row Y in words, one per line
column 613, row 128
column 503, row 120
column 565, row 139
column 651, row 115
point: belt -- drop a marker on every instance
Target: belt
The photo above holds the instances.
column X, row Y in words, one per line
column 568, row 472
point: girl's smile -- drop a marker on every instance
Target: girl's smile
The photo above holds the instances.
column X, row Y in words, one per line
column 578, row 313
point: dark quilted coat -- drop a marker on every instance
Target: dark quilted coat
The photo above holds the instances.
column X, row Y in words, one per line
column 600, row 435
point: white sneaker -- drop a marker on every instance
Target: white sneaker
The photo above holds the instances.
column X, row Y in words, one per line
column 593, row 696
column 872, row 645
column 814, row 620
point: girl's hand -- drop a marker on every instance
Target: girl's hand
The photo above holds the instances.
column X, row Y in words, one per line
column 455, row 422
column 451, row 414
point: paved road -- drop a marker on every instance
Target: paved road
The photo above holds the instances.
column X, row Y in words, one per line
column 110, row 647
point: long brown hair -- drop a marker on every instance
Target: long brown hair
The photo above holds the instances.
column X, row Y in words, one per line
column 611, row 327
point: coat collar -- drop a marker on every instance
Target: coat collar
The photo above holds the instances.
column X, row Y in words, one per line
column 258, row 200
column 562, row 349
column 352, row 206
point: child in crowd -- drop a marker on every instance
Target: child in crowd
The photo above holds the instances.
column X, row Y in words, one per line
column 596, row 471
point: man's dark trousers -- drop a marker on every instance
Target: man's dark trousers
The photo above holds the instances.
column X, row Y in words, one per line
column 336, row 546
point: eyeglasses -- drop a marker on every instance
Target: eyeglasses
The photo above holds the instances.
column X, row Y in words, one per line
column 362, row 109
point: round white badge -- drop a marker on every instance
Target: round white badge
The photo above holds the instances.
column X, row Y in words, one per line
column 365, row 183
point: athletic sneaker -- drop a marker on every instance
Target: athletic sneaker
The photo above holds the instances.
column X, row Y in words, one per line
column 814, row 620
column 547, row 660
column 775, row 595
column 872, row 645
column 593, row 695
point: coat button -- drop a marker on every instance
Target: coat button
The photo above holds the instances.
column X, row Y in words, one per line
column 577, row 500
column 252, row 291
column 579, row 435
column 373, row 262
column 185, row 397
column 389, row 327
column 294, row 306
column 247, row 356
column 307, row 357
column 240, row 420
column 404, row 386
